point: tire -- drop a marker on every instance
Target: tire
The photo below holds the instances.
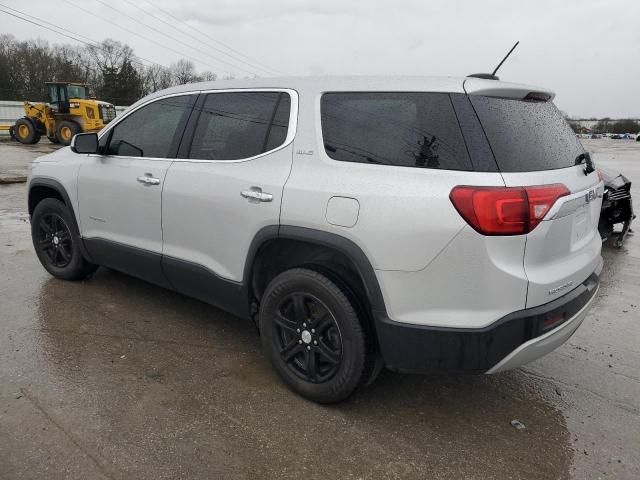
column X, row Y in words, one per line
column 53, row 140
column 65, row 130
column 313, row 336
column 57, row 243
column 25, row 131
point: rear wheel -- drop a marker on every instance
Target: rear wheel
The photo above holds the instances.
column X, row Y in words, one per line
column 313, row 336
column 65, row 130
column 25, row 132
column 56, row 242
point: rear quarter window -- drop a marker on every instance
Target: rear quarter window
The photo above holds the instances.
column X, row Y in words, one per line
column 526, row 136
column 401, row 129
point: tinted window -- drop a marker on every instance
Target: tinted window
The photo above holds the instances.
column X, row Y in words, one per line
column 76, row 91
column 53, row 94
column 151, row 131
column 280, row 124
column 526, row 136
column 403, row 129
column 240, row 125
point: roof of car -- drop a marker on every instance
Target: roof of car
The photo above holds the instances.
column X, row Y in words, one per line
column 363, row 84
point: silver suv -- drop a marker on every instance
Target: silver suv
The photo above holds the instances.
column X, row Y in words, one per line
column 422, row 224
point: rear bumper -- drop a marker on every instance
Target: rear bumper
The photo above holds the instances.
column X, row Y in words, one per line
column 512, row 341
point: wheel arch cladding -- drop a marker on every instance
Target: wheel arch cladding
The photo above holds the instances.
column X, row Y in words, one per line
column 294, row 246
column 41, row 188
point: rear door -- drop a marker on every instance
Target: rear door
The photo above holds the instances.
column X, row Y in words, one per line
column 533, row 145
column 225, row 188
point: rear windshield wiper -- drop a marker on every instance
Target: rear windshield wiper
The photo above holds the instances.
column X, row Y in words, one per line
column 586, row 158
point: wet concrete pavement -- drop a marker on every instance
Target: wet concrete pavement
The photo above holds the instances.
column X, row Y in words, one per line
column 15, row 157
column 115, row 378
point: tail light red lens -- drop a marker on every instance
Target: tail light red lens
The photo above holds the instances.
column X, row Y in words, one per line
column 505, row 210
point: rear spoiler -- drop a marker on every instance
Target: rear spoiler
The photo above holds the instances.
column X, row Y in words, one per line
column 493, row 88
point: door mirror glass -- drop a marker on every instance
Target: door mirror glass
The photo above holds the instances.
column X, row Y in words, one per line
column 85, row 143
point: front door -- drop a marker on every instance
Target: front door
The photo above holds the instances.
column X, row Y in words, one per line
column 120, row 191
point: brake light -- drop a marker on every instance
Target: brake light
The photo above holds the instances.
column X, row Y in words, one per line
column 505, row 210
column 600, row 175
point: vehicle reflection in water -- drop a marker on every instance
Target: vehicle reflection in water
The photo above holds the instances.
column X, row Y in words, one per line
column 131, row 366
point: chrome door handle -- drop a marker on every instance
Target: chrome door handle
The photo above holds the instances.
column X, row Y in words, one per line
column 255, row 194
column 148, row 179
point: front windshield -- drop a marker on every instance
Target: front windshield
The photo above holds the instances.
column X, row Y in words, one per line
column 76, row 91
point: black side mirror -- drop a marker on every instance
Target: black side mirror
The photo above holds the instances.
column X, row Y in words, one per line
column 84, row 143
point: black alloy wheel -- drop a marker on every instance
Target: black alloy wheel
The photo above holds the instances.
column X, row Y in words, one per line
column 54, row 240
column 307, row 337
column 57, row 241
column 313, row 335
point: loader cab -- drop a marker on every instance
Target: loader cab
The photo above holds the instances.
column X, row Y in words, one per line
column 60, row 93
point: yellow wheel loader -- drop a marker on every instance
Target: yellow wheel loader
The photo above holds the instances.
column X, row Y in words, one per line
column 69, row 111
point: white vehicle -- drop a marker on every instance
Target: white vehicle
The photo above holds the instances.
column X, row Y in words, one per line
column 424, row 224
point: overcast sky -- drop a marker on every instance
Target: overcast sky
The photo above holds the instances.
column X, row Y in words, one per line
column 587, row 51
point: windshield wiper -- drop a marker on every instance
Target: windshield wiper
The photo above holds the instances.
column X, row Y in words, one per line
column 586, row 158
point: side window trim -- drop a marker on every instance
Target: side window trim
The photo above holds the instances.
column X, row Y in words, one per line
column 104, row 137
column 475, row 138
column 273, row 116
column 185, row 146
column 190, row 128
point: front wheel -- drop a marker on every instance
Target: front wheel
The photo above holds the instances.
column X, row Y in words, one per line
column 56, row 242
column 313, row 336
column 65, row 130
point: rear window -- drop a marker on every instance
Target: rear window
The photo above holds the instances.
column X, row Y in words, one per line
column 238, row 125
column 401, row 129
column 526, row 136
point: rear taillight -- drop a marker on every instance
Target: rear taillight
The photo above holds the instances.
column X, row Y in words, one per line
column 505, row 210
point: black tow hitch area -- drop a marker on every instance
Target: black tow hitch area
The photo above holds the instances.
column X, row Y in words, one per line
column 617, row 208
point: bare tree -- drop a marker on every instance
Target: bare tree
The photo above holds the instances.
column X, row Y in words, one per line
column 111, row 69
column 183, row 71
column 156, row 77
column 208, row 76
column 110, row 54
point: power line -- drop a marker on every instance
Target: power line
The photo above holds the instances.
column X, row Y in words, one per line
column 90, row 42
column 170, row 37
column 269, row 71
column 45, row 21
column 59, row 33
column 139, row 35
column 213, row 39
